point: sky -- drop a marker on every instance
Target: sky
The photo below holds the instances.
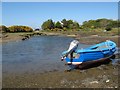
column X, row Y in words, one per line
column 33, row 14
column 60, row 0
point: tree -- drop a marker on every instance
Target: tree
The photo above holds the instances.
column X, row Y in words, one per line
column 113, row 24
column 104, row 22
column 4, row 28
column 48, row 24
column 65, row 23
column 70, row 24
column 58, row 25
column 99, row 23
column 76, row 25
column 118, row 23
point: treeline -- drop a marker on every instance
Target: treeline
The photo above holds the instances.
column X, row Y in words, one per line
column 107, row 24
column 15, row 28
column 64, row 24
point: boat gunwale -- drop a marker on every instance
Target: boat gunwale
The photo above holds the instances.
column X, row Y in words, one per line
column 92, row 51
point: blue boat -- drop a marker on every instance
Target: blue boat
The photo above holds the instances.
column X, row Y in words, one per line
column 101, row 51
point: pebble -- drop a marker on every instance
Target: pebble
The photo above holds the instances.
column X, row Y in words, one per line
column 35, row 83
column 76, row 81
column 93, row 82
column 64, row 81
column 73, row 86
column 100, row 68
column 82, row 71
column 107, row 81
column 115, row 73
column 109, row 87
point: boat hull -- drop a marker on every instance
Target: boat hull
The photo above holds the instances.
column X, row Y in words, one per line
column 94, row 63
column 95, row 53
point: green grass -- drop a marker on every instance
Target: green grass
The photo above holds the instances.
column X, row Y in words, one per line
column 81, row 32
column 84, row 32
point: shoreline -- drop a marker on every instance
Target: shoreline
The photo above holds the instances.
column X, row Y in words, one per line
column 89, row 39
column 103, row 76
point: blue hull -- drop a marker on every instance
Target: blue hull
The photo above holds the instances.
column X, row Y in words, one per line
column 95, row 52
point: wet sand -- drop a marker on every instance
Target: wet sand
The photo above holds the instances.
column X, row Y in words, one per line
column 103, row 76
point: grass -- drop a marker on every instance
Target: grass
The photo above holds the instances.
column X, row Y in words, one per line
column 98, row 31
column 81, row 32
column 90, row 36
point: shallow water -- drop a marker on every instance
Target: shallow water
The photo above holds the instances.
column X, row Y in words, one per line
column 37, row 54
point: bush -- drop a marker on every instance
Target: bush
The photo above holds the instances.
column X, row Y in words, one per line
column 108, row 28
column 4, row 29
column 20, row 29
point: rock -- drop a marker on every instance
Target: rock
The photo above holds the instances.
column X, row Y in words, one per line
column 94, row 35
column 100, row 68
column 82, row 71
column 63, row 81
column 105, row 78
column 23, row 39
column 109, row 87
column 107, row 81
column 73, row 86
column 76, row 81
column 87, row 81
column 115, row 73
column 93, row 82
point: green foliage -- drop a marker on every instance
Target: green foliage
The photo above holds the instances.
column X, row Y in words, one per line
column 20, row 29
column 16, row 29
column 65, row 23
column 48, row 24
column 58, row 25
column 90, row 25
column 3, row 28
column 76, row 25
column 101, row 23
column 114, row 24
column 108, row 28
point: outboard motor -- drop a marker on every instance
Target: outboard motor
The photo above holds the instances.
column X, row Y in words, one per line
column 73, row 46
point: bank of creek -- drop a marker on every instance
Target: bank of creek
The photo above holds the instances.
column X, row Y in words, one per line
column 35, row 63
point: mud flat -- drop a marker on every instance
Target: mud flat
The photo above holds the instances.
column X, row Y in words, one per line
column 82, row 38
column 104, row 76
column 10, row 37
column 97, row 39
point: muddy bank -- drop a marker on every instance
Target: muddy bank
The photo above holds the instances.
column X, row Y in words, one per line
column 85, row 39
column 10, row 37
column 97, row 39
column 104, row 76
